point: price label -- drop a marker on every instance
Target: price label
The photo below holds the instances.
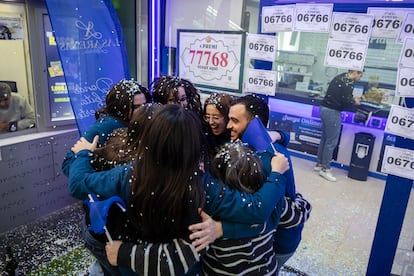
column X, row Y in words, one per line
column 398, row 161
column 407, row 28
column 313, row 17
column 351, row 27
column 401, row 121
column 347, row 55
column 407, row 53
column 211, row 59
column 405, row 82
column 261, row 47
column 387, row 22
column 278, row 18
column 261, row 81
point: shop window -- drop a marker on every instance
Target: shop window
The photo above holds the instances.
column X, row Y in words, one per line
column 15, row 70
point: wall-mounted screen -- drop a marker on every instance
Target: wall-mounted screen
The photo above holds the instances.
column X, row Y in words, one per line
column 358, row 90
column 60, row 108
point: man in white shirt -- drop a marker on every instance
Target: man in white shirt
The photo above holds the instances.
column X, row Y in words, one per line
column 15, row 111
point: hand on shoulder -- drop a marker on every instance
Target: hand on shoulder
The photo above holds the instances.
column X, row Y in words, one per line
column 83, row 144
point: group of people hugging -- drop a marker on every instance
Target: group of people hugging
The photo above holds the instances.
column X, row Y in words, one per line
column 199, row 200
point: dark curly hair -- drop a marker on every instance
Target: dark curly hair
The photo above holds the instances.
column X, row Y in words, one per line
column 120, row 98
column 164, row 86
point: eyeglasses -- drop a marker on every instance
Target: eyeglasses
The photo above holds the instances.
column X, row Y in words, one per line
column 215, row 118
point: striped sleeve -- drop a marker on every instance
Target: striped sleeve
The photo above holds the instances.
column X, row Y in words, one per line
column 173, row 258
column 251, row 256
column 295, row 212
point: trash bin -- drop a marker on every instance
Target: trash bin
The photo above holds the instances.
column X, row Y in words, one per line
column 361, row 156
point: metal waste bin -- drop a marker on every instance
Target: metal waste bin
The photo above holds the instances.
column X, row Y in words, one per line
column 361, row 156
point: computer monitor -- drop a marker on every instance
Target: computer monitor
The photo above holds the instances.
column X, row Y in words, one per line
column 12, row 85
column 358, row 90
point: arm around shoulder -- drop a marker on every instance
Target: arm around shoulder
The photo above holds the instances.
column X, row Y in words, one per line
column 295, row 212
column 236, row 206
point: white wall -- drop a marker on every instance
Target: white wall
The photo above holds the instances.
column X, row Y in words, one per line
column 13, row 64
column 15, row 55
column 201, row 15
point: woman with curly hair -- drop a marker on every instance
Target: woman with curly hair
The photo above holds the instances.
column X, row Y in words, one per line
column 120, row 102
column 174, row 90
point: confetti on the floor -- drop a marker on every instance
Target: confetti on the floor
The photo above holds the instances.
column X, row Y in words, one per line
column 48, row 246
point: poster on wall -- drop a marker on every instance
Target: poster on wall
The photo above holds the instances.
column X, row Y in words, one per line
column 11, row 28
column 261, row 47
column 313, row 17
column 387, row 21
column 346, row 55
column 351, row 27
column 401, row 121
column 407, row 28
column 261, row 81
column 398, row 161
column 211, row 59
column 305, row 133
column 278, row 18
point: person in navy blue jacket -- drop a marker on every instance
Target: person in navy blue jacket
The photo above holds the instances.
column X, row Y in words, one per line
column 262, row 209
column 242, row 111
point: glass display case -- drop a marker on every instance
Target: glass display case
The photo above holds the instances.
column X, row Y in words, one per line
column 301, row 62
column 303, row 70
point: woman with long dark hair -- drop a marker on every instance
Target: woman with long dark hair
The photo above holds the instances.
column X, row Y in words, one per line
column 163, row 190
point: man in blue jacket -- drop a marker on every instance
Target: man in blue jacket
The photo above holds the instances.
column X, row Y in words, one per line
column 242, row 111
column 253, row 214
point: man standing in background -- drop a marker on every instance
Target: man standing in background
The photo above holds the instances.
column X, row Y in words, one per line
column 338, row 98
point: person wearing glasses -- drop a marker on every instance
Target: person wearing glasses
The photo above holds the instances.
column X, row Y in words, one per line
column 216, row 115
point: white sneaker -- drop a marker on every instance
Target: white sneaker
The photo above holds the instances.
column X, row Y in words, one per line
column 317, row 168
column 327, row 174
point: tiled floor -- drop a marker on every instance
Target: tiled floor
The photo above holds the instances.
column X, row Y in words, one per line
column 336, row 239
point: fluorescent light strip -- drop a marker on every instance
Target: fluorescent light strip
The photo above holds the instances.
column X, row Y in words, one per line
column 154, row 53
